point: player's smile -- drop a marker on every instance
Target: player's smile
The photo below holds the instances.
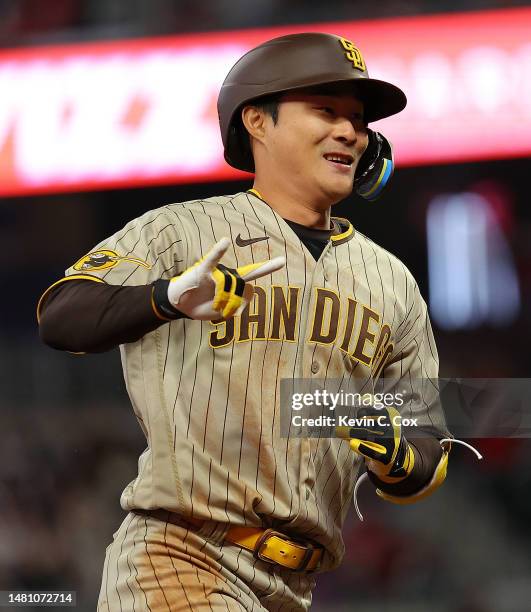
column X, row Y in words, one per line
column 345, row 159
column 341, row 162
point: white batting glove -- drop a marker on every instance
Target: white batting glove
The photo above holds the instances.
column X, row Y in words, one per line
column 209, row 290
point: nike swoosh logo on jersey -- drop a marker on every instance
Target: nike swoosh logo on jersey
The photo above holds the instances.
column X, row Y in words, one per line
column 243, row 242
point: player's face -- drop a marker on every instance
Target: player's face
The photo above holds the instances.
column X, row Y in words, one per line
column 317, row 143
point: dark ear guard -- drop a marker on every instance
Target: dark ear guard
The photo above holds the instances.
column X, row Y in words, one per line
column 375, row 167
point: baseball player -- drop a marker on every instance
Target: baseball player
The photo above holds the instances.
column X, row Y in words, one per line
column 213, row 302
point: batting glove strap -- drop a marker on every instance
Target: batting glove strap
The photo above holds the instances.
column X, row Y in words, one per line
column 160, row 303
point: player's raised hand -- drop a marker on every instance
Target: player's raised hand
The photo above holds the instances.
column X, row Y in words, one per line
column 209, row 290
column 379, row 439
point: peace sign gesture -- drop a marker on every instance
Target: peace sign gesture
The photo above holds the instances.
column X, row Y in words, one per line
column 209, row 289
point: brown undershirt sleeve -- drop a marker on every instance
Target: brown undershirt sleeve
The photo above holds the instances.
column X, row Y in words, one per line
column 428, row 453
column 83, row 316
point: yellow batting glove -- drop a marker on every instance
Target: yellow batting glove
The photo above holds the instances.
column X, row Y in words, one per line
column 231, row 291
column 379, row 439
column 209, row 289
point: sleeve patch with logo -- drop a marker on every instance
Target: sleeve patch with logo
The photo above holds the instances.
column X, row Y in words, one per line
column 103, row 260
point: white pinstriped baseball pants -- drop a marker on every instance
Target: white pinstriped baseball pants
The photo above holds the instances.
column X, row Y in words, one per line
column 156, row 565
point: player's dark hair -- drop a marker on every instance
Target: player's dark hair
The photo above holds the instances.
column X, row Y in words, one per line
column 269, row 105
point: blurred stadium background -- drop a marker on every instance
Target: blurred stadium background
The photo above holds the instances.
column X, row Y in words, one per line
column 456, row 213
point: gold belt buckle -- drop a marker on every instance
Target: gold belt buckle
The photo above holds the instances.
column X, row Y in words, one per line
column 269, row 533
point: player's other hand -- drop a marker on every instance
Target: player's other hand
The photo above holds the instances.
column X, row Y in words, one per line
column 379, row 439
column 209, row 290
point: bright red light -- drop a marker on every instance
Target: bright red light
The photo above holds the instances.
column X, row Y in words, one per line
column 134, row 113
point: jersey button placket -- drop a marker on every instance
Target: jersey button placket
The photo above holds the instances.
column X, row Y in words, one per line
column 315, row 367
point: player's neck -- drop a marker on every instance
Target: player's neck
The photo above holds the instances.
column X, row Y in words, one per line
column 293, row 209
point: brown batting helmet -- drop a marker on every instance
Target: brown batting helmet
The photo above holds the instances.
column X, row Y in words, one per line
column 293, row 62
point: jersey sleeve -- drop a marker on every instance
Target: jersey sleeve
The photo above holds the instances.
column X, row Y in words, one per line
column 146, row 249
column 413, row 371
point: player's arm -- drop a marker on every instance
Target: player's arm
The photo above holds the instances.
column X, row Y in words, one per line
column 84, row 314
column 407, row 465
column 416, row 362
column 403, row 469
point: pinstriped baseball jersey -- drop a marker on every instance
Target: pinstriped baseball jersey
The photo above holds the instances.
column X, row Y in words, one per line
column 207, row 393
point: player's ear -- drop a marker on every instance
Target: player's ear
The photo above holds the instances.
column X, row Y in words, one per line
column 254, row 121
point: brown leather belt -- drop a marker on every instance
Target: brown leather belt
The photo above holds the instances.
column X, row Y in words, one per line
column 266, row 544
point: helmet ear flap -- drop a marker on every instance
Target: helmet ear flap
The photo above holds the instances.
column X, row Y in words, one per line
column 375, row 167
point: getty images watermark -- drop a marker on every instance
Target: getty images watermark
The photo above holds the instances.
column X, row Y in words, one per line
column 322, row 398
column 467, row 408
